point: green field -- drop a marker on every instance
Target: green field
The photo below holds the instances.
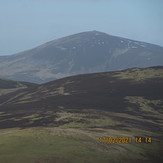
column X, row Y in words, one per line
column 78, row 141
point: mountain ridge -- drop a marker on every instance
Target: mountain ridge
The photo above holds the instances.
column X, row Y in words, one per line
column 72, row 35
column 81, row 53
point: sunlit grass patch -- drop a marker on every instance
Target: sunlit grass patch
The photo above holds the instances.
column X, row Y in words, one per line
column 144, row 104
column 140, row 75
column 85, row 119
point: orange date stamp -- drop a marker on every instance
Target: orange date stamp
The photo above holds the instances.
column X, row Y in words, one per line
column 125, row 140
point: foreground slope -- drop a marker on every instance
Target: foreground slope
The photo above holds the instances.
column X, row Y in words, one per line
column 62, row 121
column 81, row 53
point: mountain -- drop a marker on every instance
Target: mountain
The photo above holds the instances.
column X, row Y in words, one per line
column 81, row 53
column 70, row 119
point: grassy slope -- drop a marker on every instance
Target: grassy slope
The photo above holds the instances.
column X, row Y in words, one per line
column 77, row 140
column 65, row 135
column 139, row 75
column 70, row 145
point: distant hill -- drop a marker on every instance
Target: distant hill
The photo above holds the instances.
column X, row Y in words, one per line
column 10, row 84
column 10, row 88
column 81, row 53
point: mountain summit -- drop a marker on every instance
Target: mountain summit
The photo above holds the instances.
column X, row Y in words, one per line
column 80, row 53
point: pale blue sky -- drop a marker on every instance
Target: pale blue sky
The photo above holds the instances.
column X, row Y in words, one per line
column 25, row 24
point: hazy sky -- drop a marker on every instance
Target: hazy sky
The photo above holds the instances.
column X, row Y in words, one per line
column 25, row 24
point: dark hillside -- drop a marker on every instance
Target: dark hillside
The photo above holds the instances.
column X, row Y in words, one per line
column 127, row 91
